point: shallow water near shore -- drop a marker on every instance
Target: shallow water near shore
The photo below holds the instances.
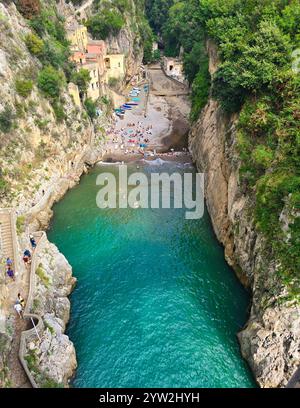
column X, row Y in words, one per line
column 156, row 305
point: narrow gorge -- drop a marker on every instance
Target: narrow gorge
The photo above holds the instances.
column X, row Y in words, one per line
column 143, row 297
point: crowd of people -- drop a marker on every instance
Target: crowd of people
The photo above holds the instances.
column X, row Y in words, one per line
column 27, row 256
column 133, row 138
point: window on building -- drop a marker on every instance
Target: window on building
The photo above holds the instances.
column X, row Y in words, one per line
column 107, row 63
column 119, row 64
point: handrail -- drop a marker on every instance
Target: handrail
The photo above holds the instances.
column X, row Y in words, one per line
column 14, row 239
column 31, row 333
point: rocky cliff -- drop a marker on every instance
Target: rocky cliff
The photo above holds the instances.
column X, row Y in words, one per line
column 43, row 154
column 52, row 358
column 270, row 341
column 38, row 151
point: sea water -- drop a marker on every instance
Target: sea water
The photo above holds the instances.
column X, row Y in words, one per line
column 155, row 305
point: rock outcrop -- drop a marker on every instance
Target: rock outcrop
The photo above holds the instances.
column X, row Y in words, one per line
column 53, row 354
column 270, row 341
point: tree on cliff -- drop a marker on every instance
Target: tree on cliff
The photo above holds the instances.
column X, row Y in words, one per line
column 82, row 79
column 28, row 8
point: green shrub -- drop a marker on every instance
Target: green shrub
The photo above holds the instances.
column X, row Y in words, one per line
column 262, row 156
column 54, row 53
column 49, row 383
column 82, row 79
column 90, row 107
column 200, row 90
column 102, row 24
column 42, row 275
column 6, row 119
column 20, row 224
column 105, row 100
column 35, row 44
column 48, row 23
column 24, row 87
column 4, row 186
column 32, row 361
column 156, row 56
column 112, row 82
column 59, row 111
column 50, row 82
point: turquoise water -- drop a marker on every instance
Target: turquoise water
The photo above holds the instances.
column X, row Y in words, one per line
column 156, row 304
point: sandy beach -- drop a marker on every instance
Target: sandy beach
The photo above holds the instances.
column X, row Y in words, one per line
column 155, row 127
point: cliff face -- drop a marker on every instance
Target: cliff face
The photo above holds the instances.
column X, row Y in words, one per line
column 41, row 157
column 53, row 355
column 39, row 153
column 270, row 341
column 38, row 150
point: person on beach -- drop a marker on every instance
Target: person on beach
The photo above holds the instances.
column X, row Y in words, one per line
column 32, row 241
column 10, row 273
column 21, row 300
column 18, row 308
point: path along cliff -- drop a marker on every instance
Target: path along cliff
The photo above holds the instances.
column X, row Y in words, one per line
column 270, row 342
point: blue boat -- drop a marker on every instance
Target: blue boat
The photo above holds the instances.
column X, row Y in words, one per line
column 136, row 99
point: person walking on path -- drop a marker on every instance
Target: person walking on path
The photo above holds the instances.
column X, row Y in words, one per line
column 21, row 300
column 27, row 257
column 32, row 241
column 18, row 308
column 10, row 273
column 9, row 262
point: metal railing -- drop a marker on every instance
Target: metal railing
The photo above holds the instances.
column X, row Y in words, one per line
column 34, row 332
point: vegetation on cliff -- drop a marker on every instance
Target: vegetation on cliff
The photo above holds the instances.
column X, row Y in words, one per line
column 34, row 68
column 110, row 17
column 49, row 44
column 254, row 78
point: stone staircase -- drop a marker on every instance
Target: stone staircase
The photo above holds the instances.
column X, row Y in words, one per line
column 6, row 237
column 8, row 294
column 6, row 250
